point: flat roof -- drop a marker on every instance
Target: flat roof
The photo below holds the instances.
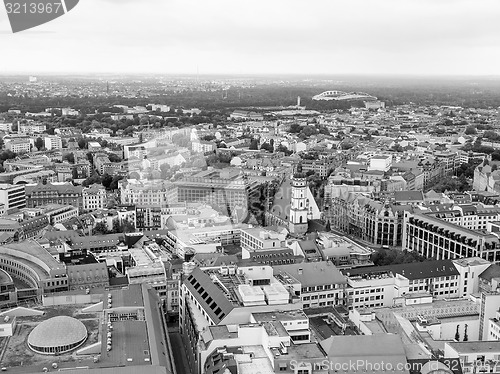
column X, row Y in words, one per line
column 280, row 316
column 313, row 273
column 304, row 351
column 475, row 346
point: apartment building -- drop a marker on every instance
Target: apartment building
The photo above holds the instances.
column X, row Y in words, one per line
column 31, row 127
column 19, row 145
column 147, row 192
column 93, row 197
column 52, row 142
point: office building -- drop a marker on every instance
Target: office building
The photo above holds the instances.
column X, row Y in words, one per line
column 435, row 238
column 12, row 196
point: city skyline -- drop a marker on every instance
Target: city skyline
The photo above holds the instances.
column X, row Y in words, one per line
column 281, row 37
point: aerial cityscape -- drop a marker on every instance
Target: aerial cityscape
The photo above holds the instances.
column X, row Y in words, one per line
column 263, row 193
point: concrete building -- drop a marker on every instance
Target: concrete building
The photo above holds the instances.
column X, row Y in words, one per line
column 19, row 146
column 226, row 297
column 321, row 283
column 470, row 270
column 31, row 127
column 434, row 238
column 475, row 356
column 52, row 142
column 226, row 189
column 12, row 197
column 380, row 163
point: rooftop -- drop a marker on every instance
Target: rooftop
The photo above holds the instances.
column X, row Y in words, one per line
column 412, row 271
column 311, row 274
column 475, row 346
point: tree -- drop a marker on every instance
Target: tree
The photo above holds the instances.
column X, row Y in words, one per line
column 268, row 147
column 39, row 143
column 254, row 144
column 457, row 335
column 82, row 143
column 70, row 157
column 113, row 157
column 106, row 180
column 466, row 337
column 74, row 173
column 114, row 183
column 93, row 179
column 100, row 229
column 470, row 130
column 116, row 226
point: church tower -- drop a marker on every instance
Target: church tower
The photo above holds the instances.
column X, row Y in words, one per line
column 299, row 204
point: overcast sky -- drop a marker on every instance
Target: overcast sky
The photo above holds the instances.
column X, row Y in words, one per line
column 457, row 37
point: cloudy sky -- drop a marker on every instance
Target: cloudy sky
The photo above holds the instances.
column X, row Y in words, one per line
column 261, row 36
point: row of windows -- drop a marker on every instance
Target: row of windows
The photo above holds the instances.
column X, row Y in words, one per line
column 315, row 297
column 323, row 303
column 371, row 298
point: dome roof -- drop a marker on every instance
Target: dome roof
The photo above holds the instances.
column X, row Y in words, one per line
column 57, row 332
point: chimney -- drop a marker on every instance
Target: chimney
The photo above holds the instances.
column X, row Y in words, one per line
column 300, row 271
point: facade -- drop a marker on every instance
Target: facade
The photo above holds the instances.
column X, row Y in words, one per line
column 182, row 242
column 12, row 196
column 376, row 222
column 148, row 217
column 486, row 179
column 149, row 193
column 31, row 127
column 19, row 145
column 475, row 356
column 320, row 167
column 470, row 270
column 434, row 238
column 52, row 142
column 226, row 189
column 321, row 283
column 35, row 266
column 473, row 217
column 93, row 197
column 53, row 193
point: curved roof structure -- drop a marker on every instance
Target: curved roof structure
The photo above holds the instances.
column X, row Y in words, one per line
column 343, row 96
column 57, row 332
